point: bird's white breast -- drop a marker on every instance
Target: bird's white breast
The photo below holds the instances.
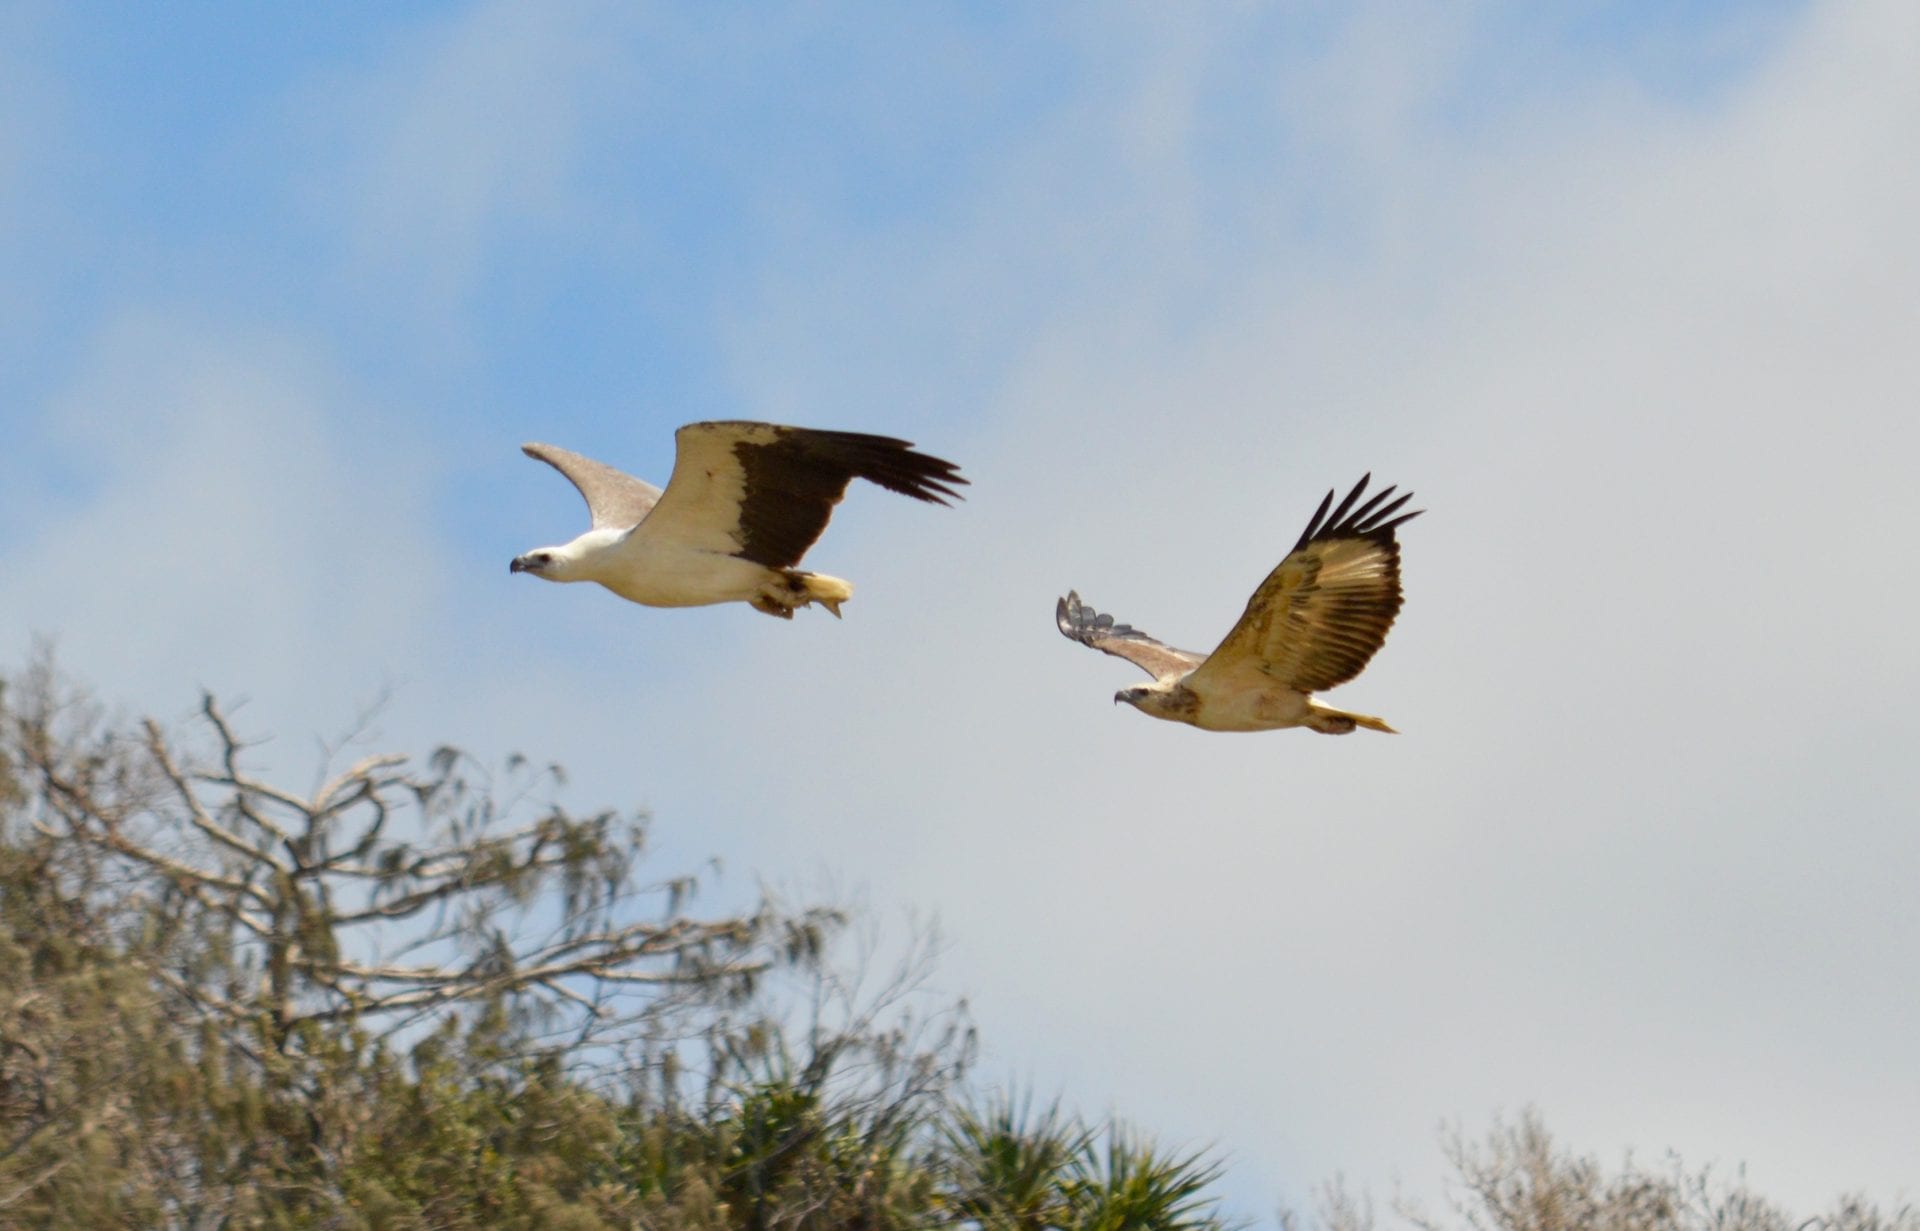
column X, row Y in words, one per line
column 668, row 575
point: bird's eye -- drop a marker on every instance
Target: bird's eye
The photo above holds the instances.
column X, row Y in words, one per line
column 542, row 558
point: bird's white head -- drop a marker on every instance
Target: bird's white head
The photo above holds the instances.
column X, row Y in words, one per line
column 562, row 563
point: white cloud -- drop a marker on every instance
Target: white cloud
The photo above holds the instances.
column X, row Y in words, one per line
column 1638, row 855
column 208, row 524
column 463, row 136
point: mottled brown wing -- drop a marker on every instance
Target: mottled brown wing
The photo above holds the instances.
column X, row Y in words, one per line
column 1082, row 623
column 1325, row 610
column 764, row 492
column 615, row 499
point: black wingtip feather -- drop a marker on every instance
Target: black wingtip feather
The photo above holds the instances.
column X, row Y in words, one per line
column 893, row 464
column 1361, row 514
column 795, row 479
column 1339, row 514
column 1371, row 520
column 1387, row 511
column 1313, row 523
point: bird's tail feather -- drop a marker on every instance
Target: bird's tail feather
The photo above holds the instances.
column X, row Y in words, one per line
column 1340, row 722
column 796, row 589
column 829, row 592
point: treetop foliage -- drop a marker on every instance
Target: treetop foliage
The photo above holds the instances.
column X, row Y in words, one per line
column 426, row 995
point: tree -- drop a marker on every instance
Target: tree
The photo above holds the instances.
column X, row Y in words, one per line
column 1517, row 1179
column 426, row 996
column 302, row 890
column 386, row 1003
column 1017, row 1169
column 308, row 942
column 86, row 1051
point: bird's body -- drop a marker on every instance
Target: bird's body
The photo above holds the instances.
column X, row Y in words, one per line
column 1252, row 702
column 1316, row 620
column 1229, row 705
column 655, row 574
column 744, row 503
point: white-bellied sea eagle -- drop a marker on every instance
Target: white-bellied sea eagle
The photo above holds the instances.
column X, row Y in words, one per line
column 743, row 504
column 1314, row 622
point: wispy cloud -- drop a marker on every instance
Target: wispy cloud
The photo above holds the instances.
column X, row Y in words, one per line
column 1646, row 368
column 453, row 146
column 201, row 520
column 1644, row 354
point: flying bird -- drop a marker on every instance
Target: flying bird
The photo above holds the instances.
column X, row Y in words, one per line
column 743, row 504
column 1314, row 622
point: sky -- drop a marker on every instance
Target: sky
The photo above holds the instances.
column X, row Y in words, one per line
column 1624, row 291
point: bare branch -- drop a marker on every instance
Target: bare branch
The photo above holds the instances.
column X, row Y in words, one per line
column 157, row 748
column 184, row 877
column 487, row 907
column 360, row 776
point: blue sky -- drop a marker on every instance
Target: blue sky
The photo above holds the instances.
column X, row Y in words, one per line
column 1623, row 291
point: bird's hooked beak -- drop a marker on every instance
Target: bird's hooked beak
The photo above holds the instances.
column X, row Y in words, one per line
column 539, row 563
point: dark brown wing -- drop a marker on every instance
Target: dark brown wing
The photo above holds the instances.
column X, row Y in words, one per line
column 764, row 492
column 1082, row 623
column 1325, row 610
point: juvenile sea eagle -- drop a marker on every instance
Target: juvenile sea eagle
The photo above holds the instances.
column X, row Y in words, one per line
column 743, row 504
column 1313, row 623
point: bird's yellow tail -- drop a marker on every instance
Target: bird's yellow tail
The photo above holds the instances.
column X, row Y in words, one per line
column 829, row 592
column 788, row 590
column 1340, row 722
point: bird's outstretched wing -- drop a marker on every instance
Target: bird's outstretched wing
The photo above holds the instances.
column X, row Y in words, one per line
column 764, row 492
column 1324, row 610
column 615, row 499
column 1089, row 627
